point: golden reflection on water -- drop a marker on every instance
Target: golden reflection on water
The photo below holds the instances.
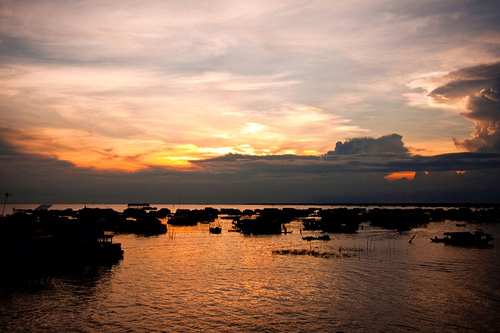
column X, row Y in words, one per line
column 191, row 280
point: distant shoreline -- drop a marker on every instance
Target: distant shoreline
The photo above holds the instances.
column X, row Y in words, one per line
column 441, row 204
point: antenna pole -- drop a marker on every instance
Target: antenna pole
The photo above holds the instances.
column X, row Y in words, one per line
column 5, row 202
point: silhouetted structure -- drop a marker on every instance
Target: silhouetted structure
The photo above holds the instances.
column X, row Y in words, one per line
column 192, row 217
column 340, row 220
column 464, row 238
column 267, row 221
column 397, row 219
column 35, row 244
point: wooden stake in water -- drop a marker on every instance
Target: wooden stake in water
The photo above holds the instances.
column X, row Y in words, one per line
column 412, row 238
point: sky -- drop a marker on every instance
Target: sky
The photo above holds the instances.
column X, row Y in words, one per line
column 250, row 102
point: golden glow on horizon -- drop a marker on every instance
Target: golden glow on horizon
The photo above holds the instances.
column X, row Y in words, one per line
column 217, row 151
column 92, row 150
column 311, row 153
column 410, row 175
column 165, row 160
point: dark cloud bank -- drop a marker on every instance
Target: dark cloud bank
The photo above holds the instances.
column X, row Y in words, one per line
column 351, row 173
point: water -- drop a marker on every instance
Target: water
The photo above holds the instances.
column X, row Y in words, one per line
column 190, row 280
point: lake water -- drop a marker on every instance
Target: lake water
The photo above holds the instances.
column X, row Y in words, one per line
column 190, row 280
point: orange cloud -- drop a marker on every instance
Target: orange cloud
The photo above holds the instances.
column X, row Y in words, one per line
column 410, row 175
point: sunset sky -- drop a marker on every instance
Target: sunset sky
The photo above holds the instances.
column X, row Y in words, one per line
column 257, row 101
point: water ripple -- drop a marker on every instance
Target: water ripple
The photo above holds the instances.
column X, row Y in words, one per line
column 232, row 283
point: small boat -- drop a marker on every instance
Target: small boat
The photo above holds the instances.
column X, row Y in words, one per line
column 461, row 224
column 216, row 229
column 311, row 238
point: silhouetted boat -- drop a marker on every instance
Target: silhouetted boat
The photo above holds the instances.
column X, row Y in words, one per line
column 258, row 225
column 216, row 229
column 465, row 238
column 322, row 237
column 144, row 206
column 319, row 237
column 137, row 205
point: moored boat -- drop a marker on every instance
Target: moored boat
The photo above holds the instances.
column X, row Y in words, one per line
column 321, row 237
column 215, row 229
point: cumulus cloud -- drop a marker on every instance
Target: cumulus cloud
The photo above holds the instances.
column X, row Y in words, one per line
column 484, row 110
column 384, row 155
column 385, row 144
column 478, row 87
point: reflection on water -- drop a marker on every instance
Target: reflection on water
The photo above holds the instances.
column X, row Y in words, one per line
column 191, row 280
